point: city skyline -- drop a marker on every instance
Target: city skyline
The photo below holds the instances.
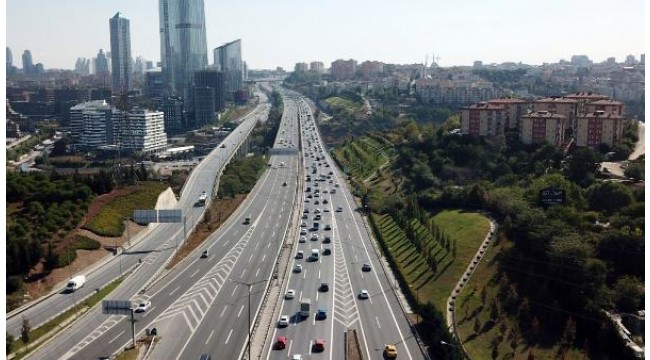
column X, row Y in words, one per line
column 282, row 34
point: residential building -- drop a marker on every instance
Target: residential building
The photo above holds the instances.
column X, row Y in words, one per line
column 607, row 105
column 143, row 131
column 9, row 61
column 559, row 105
column 483, row 119
column 458, row 92
column 229, row 59
column 515, row 108
column 183, row 45
column 343, row 69
column 121, row 53
column 371, row 69
column 542, row 126
column 599, row 127
column 585, row 97
column 91, row 124
column 317, row 67
column 301, row 67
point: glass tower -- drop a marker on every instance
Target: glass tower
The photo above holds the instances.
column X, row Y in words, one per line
column 120, row 53
column 227, row 59
column 183, row 46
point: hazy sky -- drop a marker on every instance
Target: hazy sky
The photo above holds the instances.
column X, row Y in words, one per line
column 283, row 32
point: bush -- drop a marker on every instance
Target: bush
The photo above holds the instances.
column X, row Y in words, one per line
column 14, row 283
column 66, row 256
column 85, row 243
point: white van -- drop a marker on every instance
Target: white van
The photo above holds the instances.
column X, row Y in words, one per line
column 76, row 283
column 315, row 253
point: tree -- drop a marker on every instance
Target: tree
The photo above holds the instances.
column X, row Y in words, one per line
column 635, row 171
column 629, row 294
column 477, row 325
column 609, row 196
column 582, row 166
column 10, row 343
column 569, row 335
column 24, row 330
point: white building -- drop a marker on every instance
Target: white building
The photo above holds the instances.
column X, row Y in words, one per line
column 91, row 124
column 143, row 131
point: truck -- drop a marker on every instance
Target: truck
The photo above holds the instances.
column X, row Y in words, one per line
column 305, row 307
column 202, row 198
column 76, row 283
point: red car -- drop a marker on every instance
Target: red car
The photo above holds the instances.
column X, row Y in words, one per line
column 319, row 345
column 281, row 343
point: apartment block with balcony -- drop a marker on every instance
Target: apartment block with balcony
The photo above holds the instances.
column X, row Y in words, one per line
column 483, row 119
column 607, row 105
column 515, row 109
column 559, row 105
column 143, row 131
column 599, row 127
column 540, row 126
column 301, row 67
column 343, row 69
column 317, row 66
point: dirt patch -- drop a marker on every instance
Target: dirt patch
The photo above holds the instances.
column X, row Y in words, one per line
column 220, row 211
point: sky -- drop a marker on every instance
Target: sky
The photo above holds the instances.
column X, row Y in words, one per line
column 284, row 32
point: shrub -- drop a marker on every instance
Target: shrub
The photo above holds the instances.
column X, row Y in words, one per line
column 85, row 243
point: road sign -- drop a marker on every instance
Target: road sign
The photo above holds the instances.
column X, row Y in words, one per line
column 145, row 216
column 116, row 307
column 170, row 216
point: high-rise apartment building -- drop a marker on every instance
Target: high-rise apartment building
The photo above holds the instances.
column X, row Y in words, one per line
column 515, row 108
column 317, row 67
column 301, row 67
column 174, row 115
column 9, row 61
column 121, row 53
column 28, row 64
column 228, row 60
column 143, row 131
column 154, row 85
column 343, row 69
column 541, row 126
column 91, row 124
column 183, row 46
column 483, row 119
column 101, row 63
column 212, row 79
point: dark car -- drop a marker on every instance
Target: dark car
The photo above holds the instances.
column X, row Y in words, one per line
column 319, row 345
column 321, row 314
column 324, row 287
column 327, row 240
column 366, row 267
column 327, row 251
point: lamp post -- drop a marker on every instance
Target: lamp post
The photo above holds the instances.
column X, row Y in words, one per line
column 250, row 329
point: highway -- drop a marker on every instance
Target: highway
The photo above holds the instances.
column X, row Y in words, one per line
column 154, row 249
column 379, row 319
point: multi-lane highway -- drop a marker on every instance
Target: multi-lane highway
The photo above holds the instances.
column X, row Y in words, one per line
column 378, row 319
column 154, row 249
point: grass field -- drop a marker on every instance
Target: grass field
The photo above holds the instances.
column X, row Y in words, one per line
column 468, row 229
column 362, row 157
column 108, row 222
column 340, row 102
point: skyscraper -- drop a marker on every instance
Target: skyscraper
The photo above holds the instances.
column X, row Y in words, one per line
column 228, row 58
column 9, row 61
column 101, row 63
column 28, row 65
column 183, row 46
column 120, row 53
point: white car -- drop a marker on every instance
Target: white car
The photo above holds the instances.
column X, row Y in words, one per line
column 303, row 231
column 296, row 357
column 364, row 294
column 290, row 294
column 143, row 306
column 303, row 239
column 284, row 321
column 297, row 268
column 314, row 237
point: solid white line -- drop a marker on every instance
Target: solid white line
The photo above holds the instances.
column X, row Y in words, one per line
column 118, row 335
column 240, row 310
column 209, row 337
column 194, row 273
column 172, row 293
column 223, row 311
column 228, row 338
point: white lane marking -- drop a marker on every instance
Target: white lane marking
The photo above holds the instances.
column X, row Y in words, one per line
column 194, row 273
column 355, row 258
column 264, row 257
column 242, row 273
column 318, row 274
column 300, row 297
column 273, row 235
column 304, row 274
column 309, row 344
column 378, row 325
column 233, row 291
column 269, row 245
column 257, row 272
column 251, row 258
column 148, row 312
column 228, row 338
column 289, row 348
column 240, row 310
column 209, row 337
column 223, row 311
column 172, row 293
column 118, row 335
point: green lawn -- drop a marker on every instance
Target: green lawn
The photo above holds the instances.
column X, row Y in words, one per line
column 468, row 229
column 340, row 102
column 108, row 222
column 360, row 158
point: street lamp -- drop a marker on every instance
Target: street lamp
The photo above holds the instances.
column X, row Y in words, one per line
column 250, row 328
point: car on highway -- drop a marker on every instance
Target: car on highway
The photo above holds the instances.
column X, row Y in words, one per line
column 366, row 267
column 319, row 345
column 327, row 251
column 363, row 294
column 321, row 314
column 296, row 357
column 143, row 306
column 305, row 216
column 281, row 342
column 205, row 254
column 327, row 240
column 324, row 287
column 300, row 254
column 302, row 239
column 390, row 351
column 205, row 357
column 290, row 294
column 339, row 209
column 314, row 237
column 297, row 268
column 328, row 227
column 284, row 321
column 303, row 231
column 303, row 224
